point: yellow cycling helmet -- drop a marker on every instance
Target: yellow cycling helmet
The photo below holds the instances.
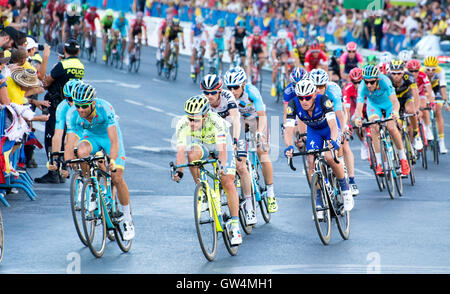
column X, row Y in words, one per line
column 396, row 65
column 430, row 61
column 197, row 105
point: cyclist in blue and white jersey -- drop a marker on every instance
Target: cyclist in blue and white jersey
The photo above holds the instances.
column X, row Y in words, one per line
column 198, row 40
column 334, row 93
column 381, row 97
column 254, row 119
column 95, row 118
column 316, row 111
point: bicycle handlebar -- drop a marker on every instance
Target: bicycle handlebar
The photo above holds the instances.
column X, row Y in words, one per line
column 378, row 121
column 311, row 152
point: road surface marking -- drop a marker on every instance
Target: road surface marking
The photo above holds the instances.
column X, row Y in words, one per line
column 133, row 102
column 154, row 108
column 153, row 149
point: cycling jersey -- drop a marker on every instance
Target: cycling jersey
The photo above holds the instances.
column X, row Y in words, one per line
column 226, row 103
column 437, row 81
column 300, row 56
column 378, row 100
column 172, row 33
column 72, row 20
column 282, row 48
column 334, row 93
column 107, row 23
column 90, row 19
column 256, row 44
column 198, row 31
column 334, row 66
column 348, row 63
column 239, row 41
column 96, row 131
column 61, row 115
column 219, row 38
column 403, row 91
column 312, row 62
column 60, row 9
column 250, row 102
column 121, row 26
column 350, row 95
column 289, row 93
column 422, row 81
column 136, row 26
column 318, row 129
column 50, row 7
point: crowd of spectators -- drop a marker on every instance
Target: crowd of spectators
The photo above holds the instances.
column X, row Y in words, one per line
column 390, row 28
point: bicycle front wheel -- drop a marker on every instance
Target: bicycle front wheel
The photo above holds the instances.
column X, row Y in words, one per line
column 261, row 185
column 242, row 210
column 342, row 216
column 226, row 215
column 373, row 164
column 205, row 222
column 76, row 188
column 397, row 172
column 423, row 153
column 94, row 224
column 409, row 155
column 323, row 224
column 386, row 163
column 137, row 62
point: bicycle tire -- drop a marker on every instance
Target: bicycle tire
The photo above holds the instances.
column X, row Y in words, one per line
column 398, row 179
column 75, row 206
column 137, row 61
column 435, row 145
column 387, row 170
column 373, row 164
column 92, row 220
column 2, row 237
column 208, row 251
column 306, row 166
column 124, row 245
column 246, row 228
column 342, row 216
column 423, row 153
column 175, row 70
column 226, row 215
column 324, row 235
column 409, row 157
column 263, row 203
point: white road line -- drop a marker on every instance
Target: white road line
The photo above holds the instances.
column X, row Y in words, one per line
column 153, row 149
column 146, row 164
column 117, row 83
column 159, row 81
column 173, row 114
column 133, row 102
column 154, row 108
column 363, row 172
column 67, row 190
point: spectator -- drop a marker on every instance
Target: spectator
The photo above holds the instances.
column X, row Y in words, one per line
column 366, row 36
column 4, row 100
column 378, row 31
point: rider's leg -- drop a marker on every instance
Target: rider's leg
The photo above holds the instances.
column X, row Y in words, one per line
column 440, row 127
column 195, row 153
column 417, row 141
column 244, row 175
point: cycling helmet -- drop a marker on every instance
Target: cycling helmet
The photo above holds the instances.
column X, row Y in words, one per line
column 385, row 57
column 196, row 105
column 83, row 93
column 176, row 21
column 298, row 74
column 92, row 8
column 301, row 42
column 256, row 30
column 70, row 86
column 370, row 71
column 85, row 7
column 413, row 64
column 356, row 74
column 121, row 14
column 372, row 59
column 221, row 23
column 405, row 55
column 305, row 87
column 211, row 82
column 337, row 52
column 235, row 76
column 282, row 34
column 315, row 46
column 383, row 68
column 351, row 46
column 318, row 76
column 109, row 12
column 320, row 39
column 397, row 65
column 241, row 24
column 430, row 61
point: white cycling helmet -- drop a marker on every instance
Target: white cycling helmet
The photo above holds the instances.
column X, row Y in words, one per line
column 235, row 77
column 199, row 19
column 405, row 55
column 305, row 87
column 282, row 34
column 318, row 76
column 385, row 57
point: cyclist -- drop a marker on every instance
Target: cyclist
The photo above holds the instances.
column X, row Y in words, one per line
column 350, row 60
column 48, row 17
column 217, row 44
column 300, row 50
column 256, row 47
column 407, row 94
column 350, row 95
column 334, row 93
column 380, row 94
column 34, row 8
column 199, row 133
column 171, row 35
column 425, row 93
column 334, row 69
column 95, row 118
column 58, row 15
column 90, row 28
column 254, row 119
column 120, row 29
column 223, row 103
column 165, row 23
column 198, row 41
column 236, row 43
column 321, row 41
column 315, row 58
column 281, row 51
column 137, row 28
column 71, row 19
column 106, row 23
column 436, row 75
column 316, row 111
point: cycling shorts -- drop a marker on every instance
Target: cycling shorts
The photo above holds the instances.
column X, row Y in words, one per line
column 315, row 138
column 404, row 101
column 377, row 110
column 220, row 44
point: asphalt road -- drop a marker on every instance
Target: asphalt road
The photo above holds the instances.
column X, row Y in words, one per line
column 405, row 235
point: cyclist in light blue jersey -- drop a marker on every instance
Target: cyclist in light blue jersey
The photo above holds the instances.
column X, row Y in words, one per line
column 120, row 26
column 381, row 97
column 218, row 42
column 96, row 120
column 254, row 119
column 334, row 92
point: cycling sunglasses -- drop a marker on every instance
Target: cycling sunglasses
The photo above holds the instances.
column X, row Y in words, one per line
column 83, row 106
column 351, row 51
column 356, row 83
column 307, row 98
column 396, row 73
column 414, row 71
column 210, row 92
column 233, row 87
column 371, row 82
column 192, row 119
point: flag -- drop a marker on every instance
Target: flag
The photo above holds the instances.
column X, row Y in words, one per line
column 32, row 140
column 364, row 4
column 404, row 2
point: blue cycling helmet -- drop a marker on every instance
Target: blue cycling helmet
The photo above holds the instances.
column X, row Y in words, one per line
column 338, row 52
column 69, row 86
column 235, row 77
column 83, row 94
column 371, row 71
column 298, row 74
column 318, row 76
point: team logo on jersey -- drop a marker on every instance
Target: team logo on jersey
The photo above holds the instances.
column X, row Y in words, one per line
column 289, row 110
column 329, row 104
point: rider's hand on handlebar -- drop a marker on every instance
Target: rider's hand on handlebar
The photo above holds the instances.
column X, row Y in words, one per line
column 177, row 176
column 288, row 151
column 358, row 122
column 395, row 115
column 52, row 167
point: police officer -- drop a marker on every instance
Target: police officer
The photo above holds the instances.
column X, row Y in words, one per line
column 68, row 68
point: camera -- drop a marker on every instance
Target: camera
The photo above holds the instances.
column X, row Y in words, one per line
column 40, row 47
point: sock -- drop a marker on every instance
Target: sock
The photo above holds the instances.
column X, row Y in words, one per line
column 441, row 136
column 270, row 190
column 401, row 154
column 248, row 202
column 351, row 180
column 273, row 85
column 343, row 184
column 378, row 157
column 235, row 221
column 126, row 213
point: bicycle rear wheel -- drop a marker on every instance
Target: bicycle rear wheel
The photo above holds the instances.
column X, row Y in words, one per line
column 137, row 61
column 76, row 188
column 323, row 226
column 435, row 145
column 94, row 225
column 205, row 222
column 387, row 169
column 263, row 203
column 2, row 237
column 242, row 210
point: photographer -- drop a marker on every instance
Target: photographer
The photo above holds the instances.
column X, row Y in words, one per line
column 68, row 68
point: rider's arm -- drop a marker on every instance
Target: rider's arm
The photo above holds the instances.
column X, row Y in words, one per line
column 395, row 103
column 443, row 85
column 236, row 121
column 114, row 138
column 290, row 123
